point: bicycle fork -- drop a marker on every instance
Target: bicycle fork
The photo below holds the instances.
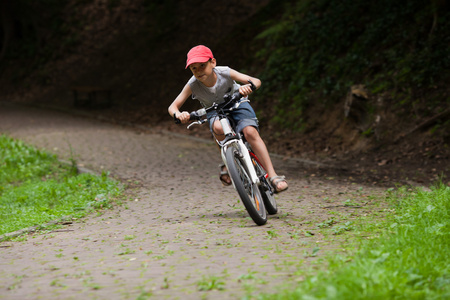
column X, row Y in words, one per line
column 242, row 151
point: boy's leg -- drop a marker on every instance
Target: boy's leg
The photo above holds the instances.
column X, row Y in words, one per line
column 259, row 147
column 217, row 131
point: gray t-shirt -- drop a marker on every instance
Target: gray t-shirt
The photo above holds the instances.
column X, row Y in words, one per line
column 208, row 95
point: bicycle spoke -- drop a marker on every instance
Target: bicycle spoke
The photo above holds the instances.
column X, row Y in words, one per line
column 248, row 185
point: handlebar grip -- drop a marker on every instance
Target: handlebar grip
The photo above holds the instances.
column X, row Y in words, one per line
column 236, row 96
column 193, row 116
column 176, row 120
column 252, row 85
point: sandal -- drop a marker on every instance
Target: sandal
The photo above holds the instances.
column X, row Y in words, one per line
column 275, row 180
column 223, row 173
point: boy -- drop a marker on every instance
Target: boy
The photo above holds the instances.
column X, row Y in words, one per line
column 208, row 85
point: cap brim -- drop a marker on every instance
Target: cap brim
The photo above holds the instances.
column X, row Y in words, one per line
column 198, row 59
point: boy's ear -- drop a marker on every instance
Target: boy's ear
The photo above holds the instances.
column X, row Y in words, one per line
column 213, row 62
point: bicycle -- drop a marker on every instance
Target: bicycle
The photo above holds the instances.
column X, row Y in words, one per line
column 248, row 176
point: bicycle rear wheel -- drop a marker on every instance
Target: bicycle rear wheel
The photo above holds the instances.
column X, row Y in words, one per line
column 248, row 191
column 265, row 188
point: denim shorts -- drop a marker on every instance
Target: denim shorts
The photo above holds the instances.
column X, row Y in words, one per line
column 243, row 116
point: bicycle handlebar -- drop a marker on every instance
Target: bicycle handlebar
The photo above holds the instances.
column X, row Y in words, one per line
column 229, row 98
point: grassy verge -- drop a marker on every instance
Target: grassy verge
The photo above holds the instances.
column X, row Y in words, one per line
column 35, row 188
column 409, row 260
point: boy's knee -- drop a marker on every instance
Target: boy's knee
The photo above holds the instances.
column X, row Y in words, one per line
column 217, row 128
column 251, row 133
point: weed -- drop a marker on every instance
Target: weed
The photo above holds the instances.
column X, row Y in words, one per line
column 249, row 276
column 327, row 223
column 295, row 235
column 308, row 233
column 271, row 234
column 17, row 282
column 57, row 283
column 349, row 202
column 144, row 295
column 347, row 226
column 127, row 251
column 129, row 237
column 313, row 252
column 209, row 283
column 165, row 283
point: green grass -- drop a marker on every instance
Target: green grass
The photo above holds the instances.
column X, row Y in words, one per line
column 35, row 188
column 408, row 260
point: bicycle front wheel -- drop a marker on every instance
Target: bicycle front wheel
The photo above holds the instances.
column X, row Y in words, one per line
column 248, row 191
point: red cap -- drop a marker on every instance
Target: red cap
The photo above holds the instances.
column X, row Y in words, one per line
column 198, row 54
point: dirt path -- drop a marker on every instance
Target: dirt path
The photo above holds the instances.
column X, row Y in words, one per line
column 182, row 228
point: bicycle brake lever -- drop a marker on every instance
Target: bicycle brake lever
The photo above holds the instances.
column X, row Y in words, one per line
column 199, row 122
column 237, row 104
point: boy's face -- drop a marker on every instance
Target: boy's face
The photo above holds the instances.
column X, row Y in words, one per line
column 203, row 71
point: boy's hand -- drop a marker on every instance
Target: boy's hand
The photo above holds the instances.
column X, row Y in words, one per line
column 245, row 90
column 183, row 116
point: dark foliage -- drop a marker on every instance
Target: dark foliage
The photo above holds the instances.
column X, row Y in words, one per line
column 28, row 28
column 320, row 48
column 308, row 53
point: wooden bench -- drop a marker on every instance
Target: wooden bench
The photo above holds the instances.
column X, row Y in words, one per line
column 91, row 96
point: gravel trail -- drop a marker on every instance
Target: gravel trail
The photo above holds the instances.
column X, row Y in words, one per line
column 180, row 232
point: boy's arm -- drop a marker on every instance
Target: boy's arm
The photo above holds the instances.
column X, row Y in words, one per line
column 243, row 78
column 176, row 105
